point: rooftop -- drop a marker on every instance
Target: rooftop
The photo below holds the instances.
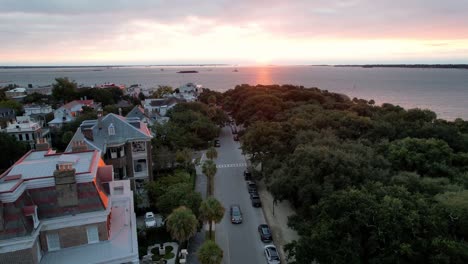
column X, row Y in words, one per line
column 124, row 130
column 122, row 244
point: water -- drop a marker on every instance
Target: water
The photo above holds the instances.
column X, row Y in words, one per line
column 445, row 91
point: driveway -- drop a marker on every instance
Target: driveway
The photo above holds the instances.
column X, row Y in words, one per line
column 241, row 242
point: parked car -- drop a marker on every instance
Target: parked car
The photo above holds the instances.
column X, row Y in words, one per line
column 236, row 214
column 272, row 255
column 233, row 129
column 216, row 143
column 150, row 221
column 236, row 137
column 255, row 198
column 251, row 187
column 265, row 233
column 247, row 175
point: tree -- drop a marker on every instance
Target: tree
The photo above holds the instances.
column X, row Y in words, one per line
column 12, row 150
column 431, row 157
column 184, row 157
column 373, row 224
column 181, row 224
column 64, row 89
column 162, row 90
column 209, row 169
column 211, row 211
column 210, row 253
column 13, row 105
column 211, row 153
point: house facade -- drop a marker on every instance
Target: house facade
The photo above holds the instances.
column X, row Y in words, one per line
column 65, row 208
column 27, row 130
column 123, row 142
column 6, row 115
column 34, row 109
column 68, row 112
column 188, row 92
column 16, row 94
column 161, row 105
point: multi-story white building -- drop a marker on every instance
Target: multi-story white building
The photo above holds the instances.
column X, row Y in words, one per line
column 66, row 208
column 27, row 130
column 34, row 109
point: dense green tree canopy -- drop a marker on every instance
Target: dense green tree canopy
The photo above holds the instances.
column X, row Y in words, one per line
column 371, row 184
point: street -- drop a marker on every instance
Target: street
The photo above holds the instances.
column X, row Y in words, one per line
column 240, row 242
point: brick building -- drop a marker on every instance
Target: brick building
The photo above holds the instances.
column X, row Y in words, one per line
column 65, row 208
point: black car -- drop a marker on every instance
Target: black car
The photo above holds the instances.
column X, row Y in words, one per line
column 236, row 137
column 265, row 233
column 236, row 214
column 234, row 129
column 216, row 143
column 251, row 187
column 255, row 200
column 247, row 175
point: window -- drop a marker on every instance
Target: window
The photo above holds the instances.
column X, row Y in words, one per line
column 20, row 136
column 53, row 241
column 27, row 136
column 113, row 153
column 35, row 218
column 93, row 235
column 139, row 146
column 111, row 130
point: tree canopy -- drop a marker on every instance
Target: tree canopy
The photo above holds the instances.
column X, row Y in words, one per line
column 371, row 184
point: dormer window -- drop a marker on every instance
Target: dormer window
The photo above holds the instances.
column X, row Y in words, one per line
column 31, row 210
column 111, row 130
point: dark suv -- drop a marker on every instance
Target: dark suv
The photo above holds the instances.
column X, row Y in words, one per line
column 265, row 233
column 247, row 175
column 255, row 200
column 216, row 143
column 251, row 187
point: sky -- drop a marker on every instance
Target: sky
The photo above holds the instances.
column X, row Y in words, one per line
column 103, row 32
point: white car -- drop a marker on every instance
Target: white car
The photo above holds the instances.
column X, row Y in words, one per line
column 272, row 255
column 150, row 221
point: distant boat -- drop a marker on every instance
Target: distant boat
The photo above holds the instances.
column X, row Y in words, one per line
column 162, row 69
column 235, row 70
column 187, row 72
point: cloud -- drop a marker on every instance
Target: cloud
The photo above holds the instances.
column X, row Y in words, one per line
column 92, row 30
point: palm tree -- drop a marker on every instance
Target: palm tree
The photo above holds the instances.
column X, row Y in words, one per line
column 211, row 210
column 210, row 253
column 211, row 153
column 182, row 224
column 209, row 169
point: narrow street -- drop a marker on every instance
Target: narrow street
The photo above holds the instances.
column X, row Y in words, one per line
column 240, row 242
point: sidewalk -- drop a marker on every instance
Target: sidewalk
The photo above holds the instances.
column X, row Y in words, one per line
column 282, row 234
column 196, row 241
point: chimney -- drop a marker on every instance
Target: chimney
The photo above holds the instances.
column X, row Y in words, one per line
column 99, row 116
column 42, row 144
column 120, row 111
column 87, row 133
column 65, row 185
column 79, row 145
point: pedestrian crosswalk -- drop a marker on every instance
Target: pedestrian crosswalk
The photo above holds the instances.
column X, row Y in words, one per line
column 232, row 165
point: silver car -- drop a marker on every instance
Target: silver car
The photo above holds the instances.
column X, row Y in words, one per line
column 272, row 255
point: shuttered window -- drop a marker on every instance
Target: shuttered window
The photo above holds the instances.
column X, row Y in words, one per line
column 53, row 241
column 93, row 235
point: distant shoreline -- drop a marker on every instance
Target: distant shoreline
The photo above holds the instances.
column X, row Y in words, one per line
column 413, row 66
column 111, row 66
